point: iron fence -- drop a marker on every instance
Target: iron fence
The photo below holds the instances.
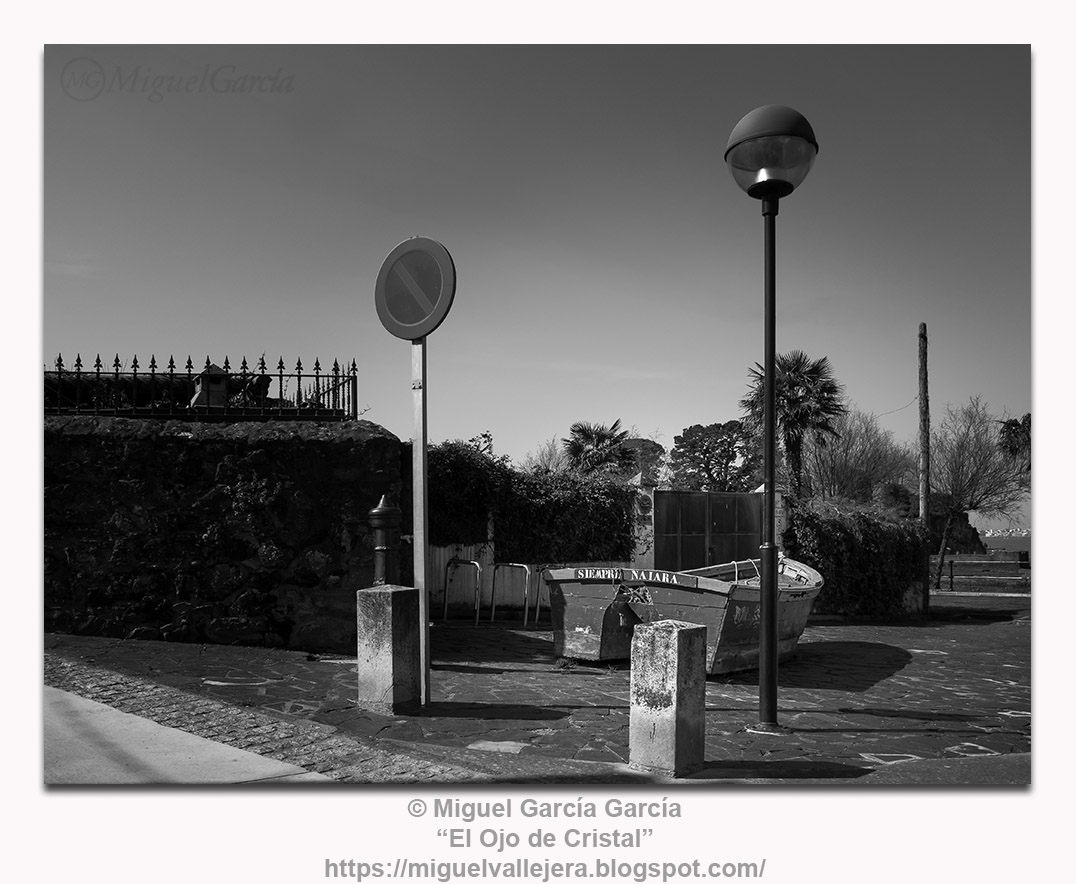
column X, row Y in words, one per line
column 212, row 393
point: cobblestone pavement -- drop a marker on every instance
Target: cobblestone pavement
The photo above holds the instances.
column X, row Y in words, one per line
column 858, row 698
column 312, row 746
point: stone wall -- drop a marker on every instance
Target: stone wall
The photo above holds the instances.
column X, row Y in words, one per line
column 252, row 533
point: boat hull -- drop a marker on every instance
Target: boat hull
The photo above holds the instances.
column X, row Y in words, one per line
column 595, row 610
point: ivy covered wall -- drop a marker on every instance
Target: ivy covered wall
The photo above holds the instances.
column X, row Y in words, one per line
column 253, row 533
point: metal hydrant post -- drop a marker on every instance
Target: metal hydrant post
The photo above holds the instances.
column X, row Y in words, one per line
column 385, row 519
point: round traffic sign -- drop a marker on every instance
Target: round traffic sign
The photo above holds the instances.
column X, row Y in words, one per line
column 415, row 288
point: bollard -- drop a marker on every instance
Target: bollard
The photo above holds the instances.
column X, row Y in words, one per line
column 388, row 665
column 668, row 697
column 385, row 520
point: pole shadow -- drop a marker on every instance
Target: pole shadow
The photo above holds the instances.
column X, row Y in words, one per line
column 911, row 714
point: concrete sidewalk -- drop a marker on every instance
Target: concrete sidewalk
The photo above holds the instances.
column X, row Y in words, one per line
column 90, row 743
column 941, row 701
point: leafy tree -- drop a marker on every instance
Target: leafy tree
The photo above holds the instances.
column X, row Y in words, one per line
column 1015, row 441
column 970, row 469
column 596, row 448
column 648, row 456
column 808, row 399
column 861, row 462
column 482, row 443
column 715, row 457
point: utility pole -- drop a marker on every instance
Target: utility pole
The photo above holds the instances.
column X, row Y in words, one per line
column 924, row 455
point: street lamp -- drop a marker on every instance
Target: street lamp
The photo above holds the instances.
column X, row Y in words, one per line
column 770, row 152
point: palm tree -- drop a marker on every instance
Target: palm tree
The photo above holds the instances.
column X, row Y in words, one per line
column 596, row 448
column 1015, row 441
column 808, row 399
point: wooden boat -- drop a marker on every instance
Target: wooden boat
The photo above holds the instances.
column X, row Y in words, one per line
column 595, row 609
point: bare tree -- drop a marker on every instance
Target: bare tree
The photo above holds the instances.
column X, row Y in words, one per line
column 970, row 470
column 859, row 460
column 549, row 458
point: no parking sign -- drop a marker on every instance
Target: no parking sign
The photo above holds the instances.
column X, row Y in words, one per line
column 415, row 288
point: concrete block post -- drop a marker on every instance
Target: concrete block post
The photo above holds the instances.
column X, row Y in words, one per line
column 389, row 667
column 668, row 697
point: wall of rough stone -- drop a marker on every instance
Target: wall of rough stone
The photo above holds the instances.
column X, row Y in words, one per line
column 252, row 533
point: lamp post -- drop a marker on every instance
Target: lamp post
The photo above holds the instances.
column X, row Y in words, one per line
column 770, row 152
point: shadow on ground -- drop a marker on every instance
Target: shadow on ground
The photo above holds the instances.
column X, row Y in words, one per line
column 494, row 711
column 946, row 609
column 455, row 643
column 785, row 770
column 973, row 615
column 844, row 666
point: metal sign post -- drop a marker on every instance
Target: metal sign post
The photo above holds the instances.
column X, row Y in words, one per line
column 420, row 544
column 414, row 292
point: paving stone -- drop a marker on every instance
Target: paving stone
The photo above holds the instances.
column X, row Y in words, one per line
column 852, row 690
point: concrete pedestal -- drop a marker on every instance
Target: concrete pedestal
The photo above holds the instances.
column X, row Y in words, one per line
column 389, row 668
column 668, row 697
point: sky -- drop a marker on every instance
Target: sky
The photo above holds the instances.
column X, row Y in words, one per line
column 608, row 266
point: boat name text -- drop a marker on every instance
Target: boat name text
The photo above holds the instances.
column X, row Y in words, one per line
column 648, row 576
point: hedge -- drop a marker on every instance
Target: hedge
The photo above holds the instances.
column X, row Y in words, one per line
column 564, row 517
column 868, row 556
column 537, row 517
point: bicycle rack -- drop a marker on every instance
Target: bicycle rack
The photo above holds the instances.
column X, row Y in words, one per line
column 538, row 591
column 452, row 563
column 526, row 588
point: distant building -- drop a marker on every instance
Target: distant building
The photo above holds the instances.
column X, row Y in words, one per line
column 210, row 387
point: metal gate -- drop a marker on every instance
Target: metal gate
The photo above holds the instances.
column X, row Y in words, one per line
column 693, row 529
